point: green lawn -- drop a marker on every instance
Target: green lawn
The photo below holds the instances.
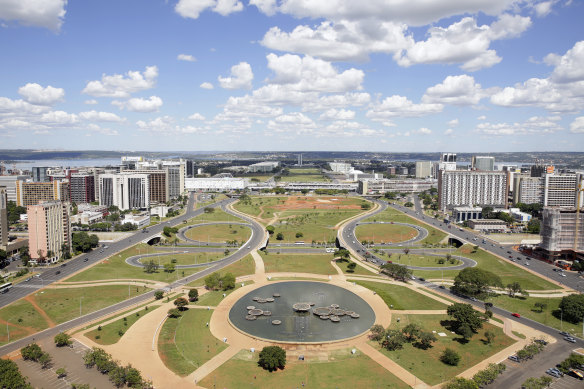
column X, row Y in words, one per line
column 185, row 343
column 526, row 307
column 434, row 236
column 298, row 263
column 214, row 297
column 23, row 320
column 60, row 305
column 359, row 270
column 402, row 298
column 342, row 370
column 185, row 259
column 420, row 260
column 305, row 178
column 426, row 364
column 219, row 233
column 243, row 267
column 253, row 208
column 218, row 215
column 111, row 333
column 384, row 233
column 115, row 267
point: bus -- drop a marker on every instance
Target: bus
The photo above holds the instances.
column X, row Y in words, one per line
column 6, row 287
column 299, row 242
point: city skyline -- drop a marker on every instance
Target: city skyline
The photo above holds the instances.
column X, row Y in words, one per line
column 292, row 75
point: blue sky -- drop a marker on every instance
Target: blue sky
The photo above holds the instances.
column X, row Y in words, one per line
column 284, row 75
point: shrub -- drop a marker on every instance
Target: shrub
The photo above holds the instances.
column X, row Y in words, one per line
column 193, row 295
column 158, row 294
column 31, row 352
column 450, row 357
column 272, row 358
column 62, row 339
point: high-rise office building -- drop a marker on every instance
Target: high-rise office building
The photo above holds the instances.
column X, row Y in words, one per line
column 560, row 190
column 9, row 182
column 31, row 193
column 190, row 166
column 49, row 230
column 472, row 188
column 483, row 163
column 82, row 187
column 561, row 233
column 528, row 190
column 39, row 174
column 124, row 190
column 423, row 169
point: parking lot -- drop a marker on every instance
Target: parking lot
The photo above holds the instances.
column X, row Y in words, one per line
column 71, row 358
column 567, row 382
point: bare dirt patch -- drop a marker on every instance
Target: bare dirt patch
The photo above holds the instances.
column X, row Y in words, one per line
column 316, row 203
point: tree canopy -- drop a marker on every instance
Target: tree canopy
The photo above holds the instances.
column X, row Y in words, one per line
column 476, row 282
column 272, row 358
column 83, row 242
column 465, row 318
column 572, row 307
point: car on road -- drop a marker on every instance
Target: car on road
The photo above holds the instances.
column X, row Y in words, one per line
column 570, row 339
column 473, row 299
column 564, row 333
column 563, row 274
column 542, row 341
column 553, row 373
column 422, row 279
column 514, row 358
column 516, row 315
column 510, row 256
column 28, row 279
column 442, row 287
column 58, row 272
column 526, row 263
column 556, row 370
column 86, row 259
column 509, row 252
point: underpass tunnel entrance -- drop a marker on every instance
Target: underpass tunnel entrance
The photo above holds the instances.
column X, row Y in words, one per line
column 154, row 240
column 454, row 242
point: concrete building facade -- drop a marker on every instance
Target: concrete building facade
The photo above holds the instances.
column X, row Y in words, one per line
column 82, row 187
column 263, row 167
column 560, row 190
column 3, row 217
column 31, row 193
column 49, row 229
column 124, row 190
column 562, row 234
column 461, row 214
column 468, row 188
column 9, row 182
column 483, row 163
column 389, row 185
column 423, row 169
column 528, row 190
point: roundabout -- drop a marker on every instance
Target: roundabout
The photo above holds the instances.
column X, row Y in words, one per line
column 305, row 312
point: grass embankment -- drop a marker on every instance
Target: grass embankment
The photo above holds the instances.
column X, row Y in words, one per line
column 115, row 267
column 506, row 270
column 434, row 237
column 217, row 215
column 298, row 263
column 342, row 370
column 212, row 298
column 426, row 364
column 421, row 260
column 111, row 333
column 401, row 297
column 219, row 233
column 185, row 343
column 245, row 266
column 384, row 233
column 358, row 270
column 50, row 307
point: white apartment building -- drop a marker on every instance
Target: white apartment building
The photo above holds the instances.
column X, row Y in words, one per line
column 560, row 190
column 468, row 188
column 402, row 186
column 423, row 169
column 341, row 167
column 483, row 163
column 215, row 184
column 528, row 190
column 125, row 190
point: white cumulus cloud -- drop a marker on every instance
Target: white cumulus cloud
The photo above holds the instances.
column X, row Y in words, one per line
column 577, row 126
column 206, row 85
column 192, row 8
column 40, row 13
column 241, row 77
column 136, row 104
column 455, row 90
column 532, row 126
column 100, row 116
column 186, row 57
column 121, row 86
column 337, row 114
column 197, row 116
column 36, row 94
column 400, row 106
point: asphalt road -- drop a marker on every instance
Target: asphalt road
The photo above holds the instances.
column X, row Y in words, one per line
column 255, row 241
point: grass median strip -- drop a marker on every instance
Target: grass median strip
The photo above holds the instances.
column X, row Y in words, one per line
column 402, row 298
column 111, row 333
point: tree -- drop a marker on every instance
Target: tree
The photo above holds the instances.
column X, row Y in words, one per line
column 396, row 271
column 10, row 376
column 181, row 303
column 409, row 204
column 344, row 254
column 537, row 383
column 572, row 307
column 299, row 235
column 351, row 267
column 489, row 335
column 533, row 226
column 117, row 376
column 31, row 352
column 411, row 331
column 62, row 339
column 83, row 242
column 487, row 212
column 425, row 340
column 393, row 340
column 150, row 266
column 212, row 281
column 61, row 372
column 173, row 313
column 158, row 294
column 133, row 377
column 209, row 210
column 169, row 267
column 450, row 357
column 45, row 360
column 475, row 282
column 460, row 383
column 228, row 281
column 541, row 306
column 193, row 295
column 377, row 332
column 514, row 288
column 465, row 315
column 280, row 236
column 272, row 358
column 506, row 217
column 270, row 230
column 80, row 386
column 406, row 251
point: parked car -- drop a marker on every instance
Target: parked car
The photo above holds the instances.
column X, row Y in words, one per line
column 516, row 315
column 422, row 279
column 570, row 339
column 542, row 341
column 553, row 373
column 514, row 358
column 564, row 333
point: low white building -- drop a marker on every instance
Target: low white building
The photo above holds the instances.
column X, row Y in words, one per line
column 215, row 184
column 87, row 217
column 461, row 214
column 160, row 211
column 520, row 217
column 140, row 221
